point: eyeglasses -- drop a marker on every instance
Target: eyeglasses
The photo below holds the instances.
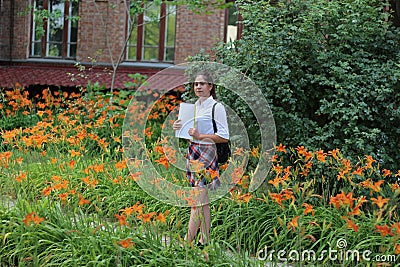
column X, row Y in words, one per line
column 200, row 83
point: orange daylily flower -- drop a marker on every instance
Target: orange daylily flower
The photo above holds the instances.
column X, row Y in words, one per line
column 146, row 217
column 63, row 196
column 397, row 174
column 276, row 181
column 285, row 194
column 120, row 165
column 395, row 186
column 32, row 217
column 384, row 230
column 358, row 171
column 191, row 201
column 28, row 218
column 223, row 166
column 213, row 174
column 380, row 202
column 369, row 161
column 74, row 153
column 308, row 156
column 46, row 192
column 308, row 208
column 37, row 220
column 334, row 153
column 351, row 224
column 356, row 210
column 161, row 217
column 56, row 178
column 128, row 211
column 72, row 164
column 277, row 168
column 90, row 182
column 377, row 186
column 98, row 168
column 321, row 155
column 195, row 165
column 386, row 172
column 102, row 143
column 308, row 164
column 19, row 160
column 274, row 158
column 148, row 132
column 245, row 197
column 83, row 201
column 63, row 184
column 342, row 199
column 305, row 172
column 287, row 173
column 281, row 148
column 367, row 183
column 117, row 180
column 121, row 219
column 20, row 177
column 254, row 152
column 138, row 207
column 159, row 150
column 163, row 161
column 136, row 138
column 126, row 243
column 301, row 150
column 294, row 223
column 397, row 249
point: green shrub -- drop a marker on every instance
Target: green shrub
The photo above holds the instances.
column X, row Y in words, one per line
column 329, row 70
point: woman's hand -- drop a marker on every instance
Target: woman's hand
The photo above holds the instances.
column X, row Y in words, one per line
column 177, row 125
column 193, row 132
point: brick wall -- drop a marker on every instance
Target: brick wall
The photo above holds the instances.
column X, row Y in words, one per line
column 195, row 32
column 21, row 22
column 102, row 28
column 5, row 29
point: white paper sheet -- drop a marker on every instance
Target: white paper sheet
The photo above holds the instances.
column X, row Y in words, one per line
column 186, row 115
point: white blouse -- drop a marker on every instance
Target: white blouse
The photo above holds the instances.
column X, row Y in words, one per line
column 203, row 118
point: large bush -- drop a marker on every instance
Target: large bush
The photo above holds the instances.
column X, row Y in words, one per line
column 330, row 71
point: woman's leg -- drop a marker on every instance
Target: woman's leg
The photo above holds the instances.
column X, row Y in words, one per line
column 205, row 224
column 194, row 224
column 199, row 218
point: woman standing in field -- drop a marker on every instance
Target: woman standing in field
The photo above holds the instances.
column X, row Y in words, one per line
column 202, row 151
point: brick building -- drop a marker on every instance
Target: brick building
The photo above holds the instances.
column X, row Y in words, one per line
column 38, row 50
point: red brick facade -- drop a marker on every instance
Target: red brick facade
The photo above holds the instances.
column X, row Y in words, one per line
column 195, row 32
column 102, row 29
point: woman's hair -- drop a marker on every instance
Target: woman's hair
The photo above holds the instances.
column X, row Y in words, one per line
column 207, row 76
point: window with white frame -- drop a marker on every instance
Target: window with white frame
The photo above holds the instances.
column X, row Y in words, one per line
column 153, row 37
column 54, row 28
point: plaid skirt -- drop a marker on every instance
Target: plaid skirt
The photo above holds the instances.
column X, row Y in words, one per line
column 201, row 161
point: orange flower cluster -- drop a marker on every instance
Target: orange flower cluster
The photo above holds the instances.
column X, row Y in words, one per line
column 285, row 194
column 349, row 202
column 32, row 218
column 137, row 209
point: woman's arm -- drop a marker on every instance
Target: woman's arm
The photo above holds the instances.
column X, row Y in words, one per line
column 198, row 136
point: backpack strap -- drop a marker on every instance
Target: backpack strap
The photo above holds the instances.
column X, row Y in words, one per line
column 213, row 121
